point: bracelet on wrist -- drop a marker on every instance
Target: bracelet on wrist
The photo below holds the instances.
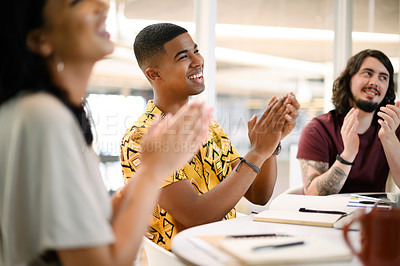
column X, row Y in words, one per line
column 243, row 160
column 343, row 161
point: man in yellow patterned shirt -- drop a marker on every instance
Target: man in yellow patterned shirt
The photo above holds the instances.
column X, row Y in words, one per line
column 195, row 194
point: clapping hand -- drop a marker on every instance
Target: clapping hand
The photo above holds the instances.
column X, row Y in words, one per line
column 291, row 113
column 390, row 120
column 277, row 121
column 266, row 132
column 349, row 134
column 173, row 141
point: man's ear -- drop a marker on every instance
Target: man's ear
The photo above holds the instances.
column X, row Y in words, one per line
column 38, row 43
column 152, row 73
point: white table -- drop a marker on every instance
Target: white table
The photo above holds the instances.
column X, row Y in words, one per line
column 196, row 252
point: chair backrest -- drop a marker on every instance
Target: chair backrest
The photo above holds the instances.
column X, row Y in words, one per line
column 157, row 255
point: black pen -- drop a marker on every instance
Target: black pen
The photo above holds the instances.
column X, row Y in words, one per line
column 253, row 235
column 260, row 248
column 321, row 211
column 374, row 202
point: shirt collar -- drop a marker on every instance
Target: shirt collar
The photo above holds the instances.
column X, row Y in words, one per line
column 151, row 109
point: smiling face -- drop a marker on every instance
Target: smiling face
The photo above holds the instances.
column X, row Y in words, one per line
column 76, row 29
column 369, row 85
column 181, row 68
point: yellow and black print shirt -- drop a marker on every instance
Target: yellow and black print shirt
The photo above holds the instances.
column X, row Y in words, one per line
column 208, row 168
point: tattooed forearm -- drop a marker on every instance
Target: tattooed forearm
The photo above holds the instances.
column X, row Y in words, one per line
column 310, row 178
column 320, row 179
column 307, row 165
column 332, row 182
column 321, row 167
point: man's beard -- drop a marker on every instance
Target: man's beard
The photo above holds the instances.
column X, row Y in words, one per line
column 367, row 106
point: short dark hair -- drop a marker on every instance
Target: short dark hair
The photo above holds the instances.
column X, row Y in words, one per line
column 149, row 43
column 341, row 87
column 23, row 70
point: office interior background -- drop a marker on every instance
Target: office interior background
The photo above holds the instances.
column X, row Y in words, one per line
column 253, row 50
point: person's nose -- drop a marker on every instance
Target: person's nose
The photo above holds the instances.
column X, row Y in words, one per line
column 197, row 60
column 373, row 81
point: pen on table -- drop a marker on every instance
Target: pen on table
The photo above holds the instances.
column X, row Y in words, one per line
column 321, row 211
column 259, row 248
column 374, row 202
column 369, row 198
column 253, row 235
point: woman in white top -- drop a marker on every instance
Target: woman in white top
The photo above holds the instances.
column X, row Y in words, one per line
column 54, row 208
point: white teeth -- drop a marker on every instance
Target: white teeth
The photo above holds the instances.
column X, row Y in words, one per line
column 196, row 76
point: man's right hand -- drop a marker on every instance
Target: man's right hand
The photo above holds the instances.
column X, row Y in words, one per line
column 350, row 137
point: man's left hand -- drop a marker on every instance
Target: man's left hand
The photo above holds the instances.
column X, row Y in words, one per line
column 390, row 120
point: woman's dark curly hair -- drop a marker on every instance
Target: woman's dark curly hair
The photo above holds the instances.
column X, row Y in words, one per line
column 341, row 87
column 23, row 70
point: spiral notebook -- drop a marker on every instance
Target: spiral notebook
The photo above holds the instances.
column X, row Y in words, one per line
column 284, row 250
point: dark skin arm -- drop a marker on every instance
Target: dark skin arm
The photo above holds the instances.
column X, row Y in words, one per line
column 180, row 199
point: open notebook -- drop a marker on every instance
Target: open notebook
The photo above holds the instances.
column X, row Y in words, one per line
column 284, row 250
column 306, row 210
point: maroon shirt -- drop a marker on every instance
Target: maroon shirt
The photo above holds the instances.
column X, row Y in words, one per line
column 321, row 141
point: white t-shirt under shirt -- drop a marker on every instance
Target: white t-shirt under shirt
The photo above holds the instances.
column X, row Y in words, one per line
column 51, row 192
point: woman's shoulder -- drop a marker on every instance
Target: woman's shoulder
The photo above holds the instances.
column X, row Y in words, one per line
column 43, row 106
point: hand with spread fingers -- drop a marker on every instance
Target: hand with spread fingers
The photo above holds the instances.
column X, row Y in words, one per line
column 173, row 141
column 349, row 134
column 389, row 121
column 266, row 132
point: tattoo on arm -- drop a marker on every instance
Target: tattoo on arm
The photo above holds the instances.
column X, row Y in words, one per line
column 320, row 167
column 332, row 183
column 311, row 178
